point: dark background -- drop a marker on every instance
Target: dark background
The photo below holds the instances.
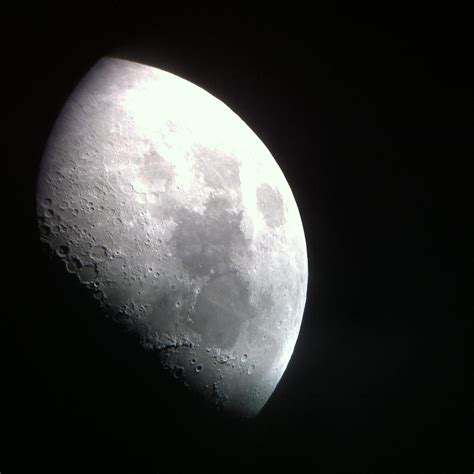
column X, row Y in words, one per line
column 370, row 120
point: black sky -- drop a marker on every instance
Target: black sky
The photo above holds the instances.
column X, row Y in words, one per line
column 370, row 119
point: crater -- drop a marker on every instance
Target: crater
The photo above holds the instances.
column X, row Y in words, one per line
column 88, row 273
column 98, row 252
column 62, row 251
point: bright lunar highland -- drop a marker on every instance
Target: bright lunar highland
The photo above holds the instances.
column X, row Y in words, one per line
column 180, row 223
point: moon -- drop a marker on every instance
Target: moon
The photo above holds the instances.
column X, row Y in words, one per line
column 180, row 223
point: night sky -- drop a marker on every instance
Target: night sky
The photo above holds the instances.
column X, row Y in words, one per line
column 371, row 122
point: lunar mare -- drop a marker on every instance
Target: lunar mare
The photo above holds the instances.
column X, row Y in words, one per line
column 176, row 217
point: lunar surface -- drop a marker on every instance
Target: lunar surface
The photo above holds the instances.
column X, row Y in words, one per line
column 179, row 222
